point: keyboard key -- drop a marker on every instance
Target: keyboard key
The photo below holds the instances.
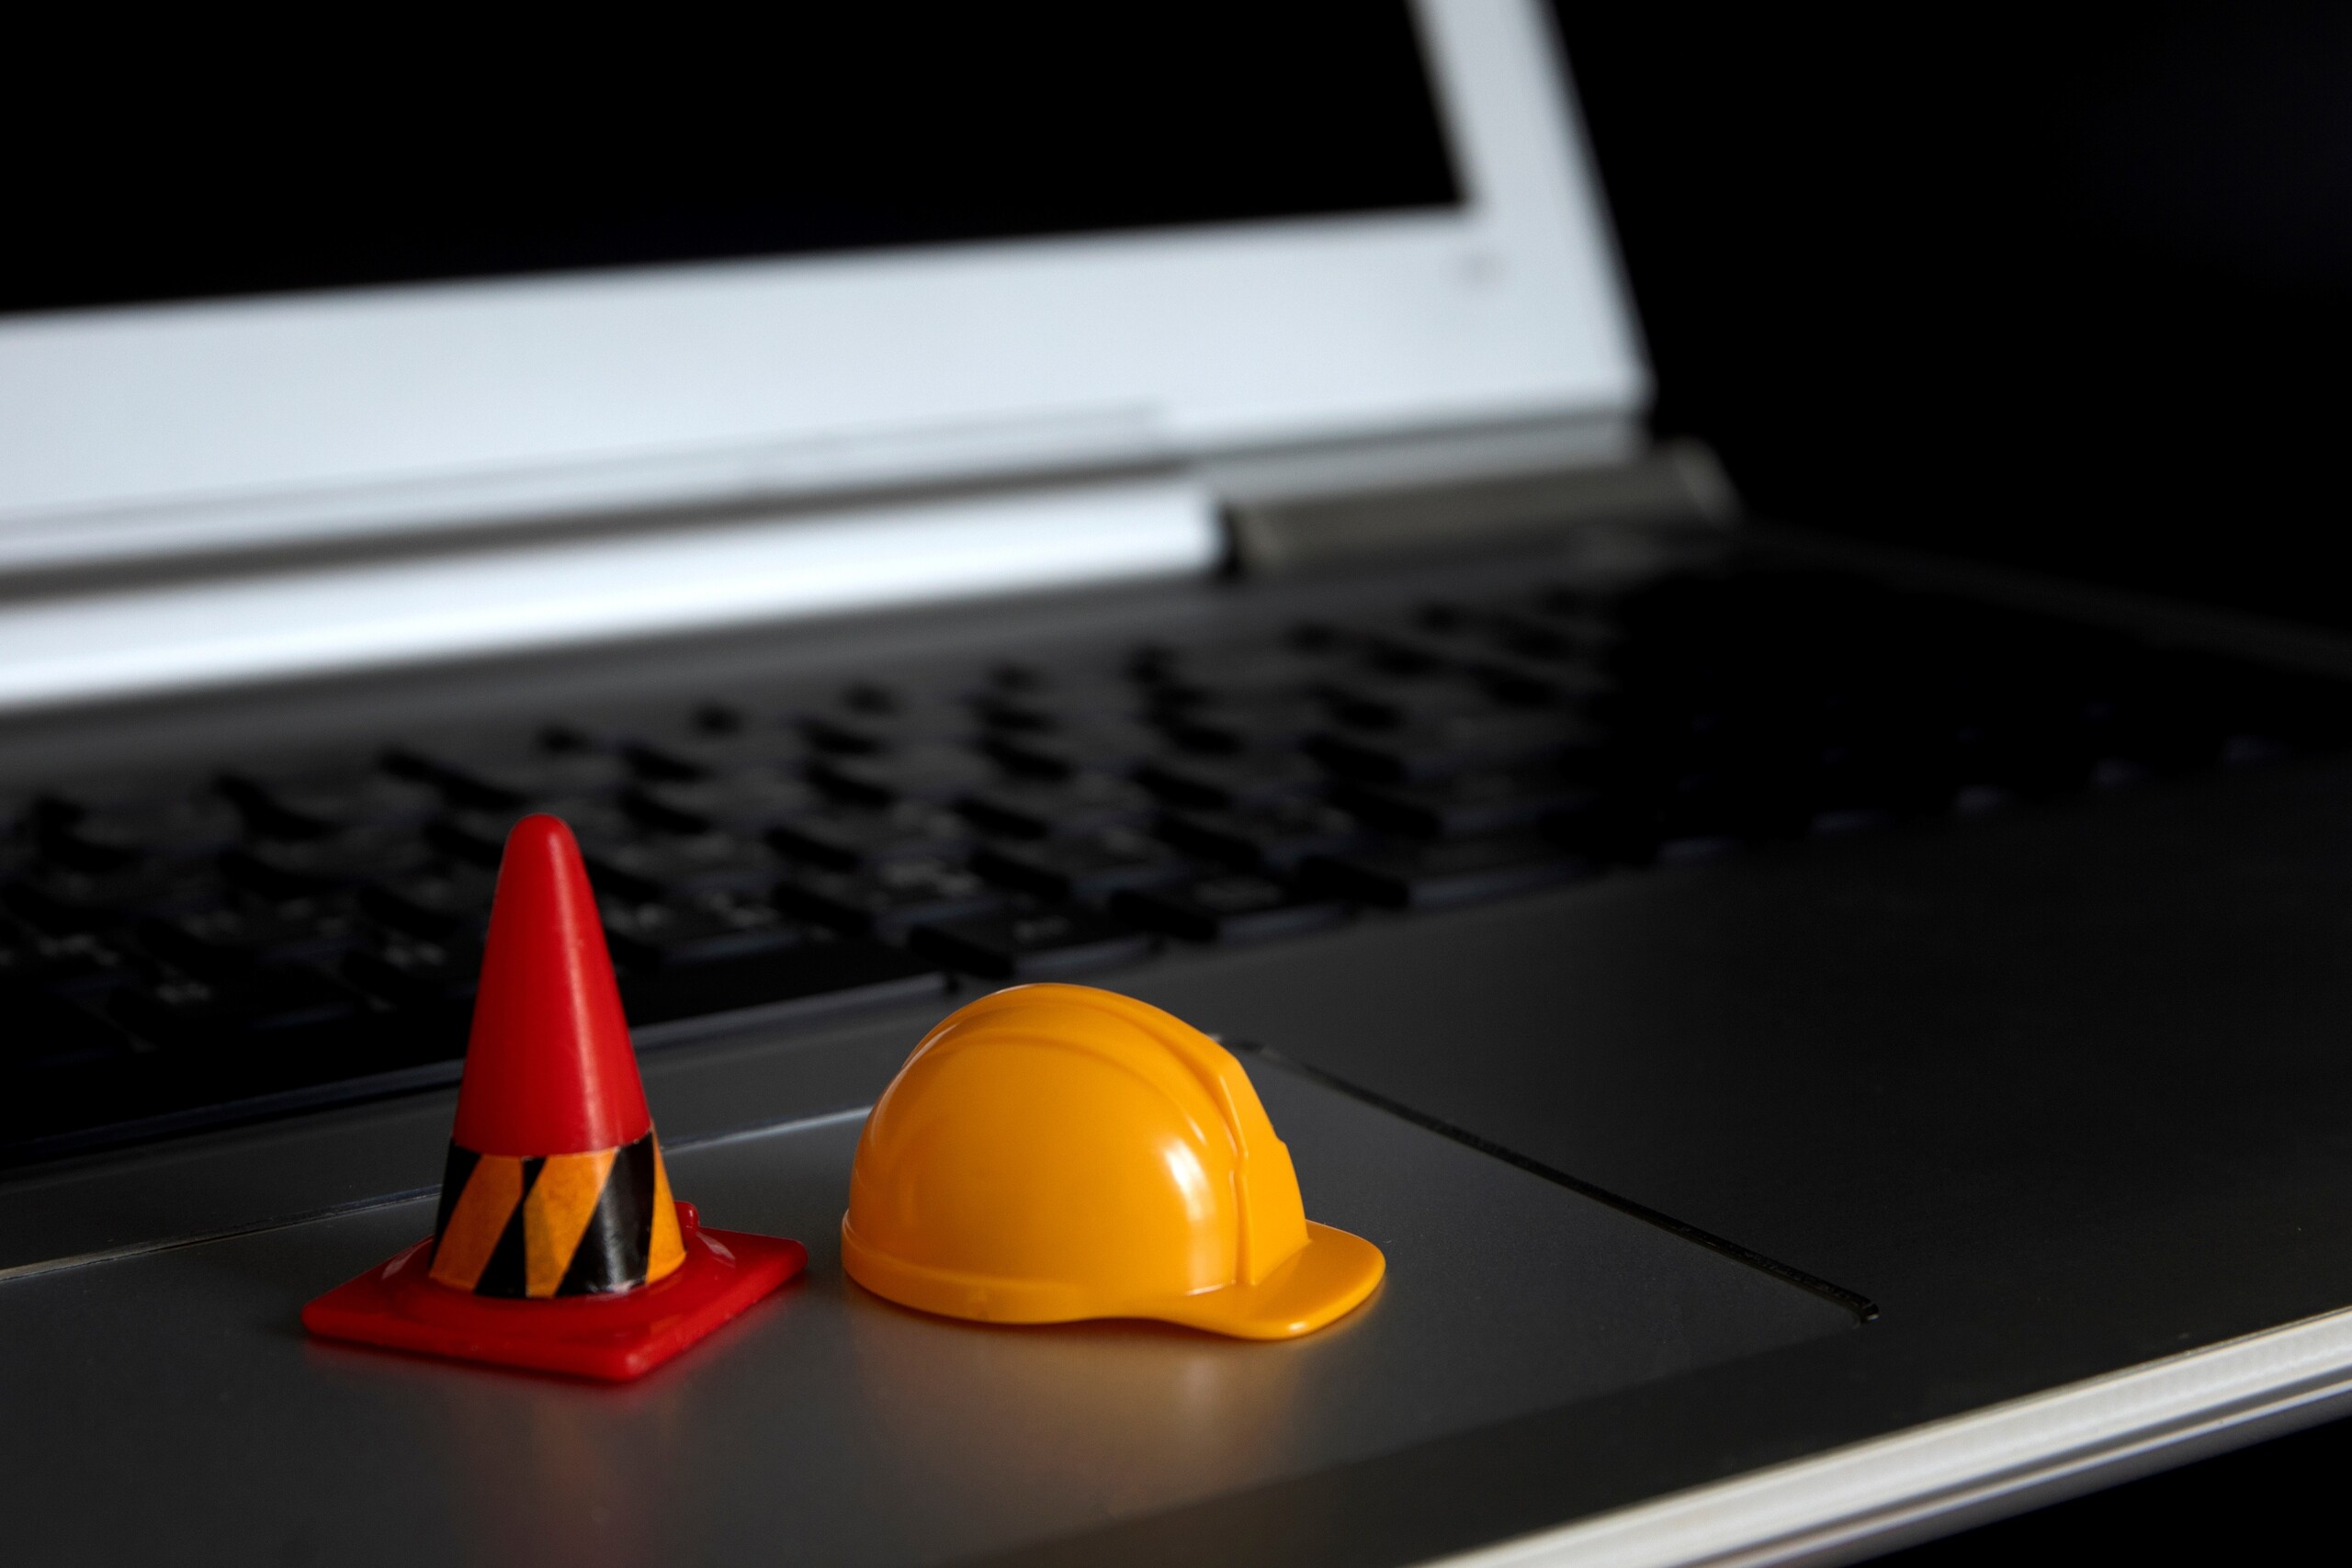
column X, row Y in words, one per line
column 234, row 938
column 823, row 968
column 305, row 868
column 1225, row 783
column 1259, row 723
column 415, row 974
column 478, row 833
column 58, row 899
column 1232, row 906
column 32, row 961
column 1041, row 807
column 1459, row 871
column 50, row 1032
column 890, row 898
column 311, row 803
column 1090, row 867
column 654, row 868
column 1020, row 945
column 1485, row 800
column 1278, row 834
column 100, row 838
column 709, row 927
column 868, row 717
column 435, row 902
column 926, row 772
column 750, row 801
column 508, row 778
column 1434, row 747
column 710, row 747
column 1100, row 746
column 278, row 1004
column 847, row 836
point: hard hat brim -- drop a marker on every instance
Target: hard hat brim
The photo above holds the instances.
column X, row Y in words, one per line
column 1318, row 1284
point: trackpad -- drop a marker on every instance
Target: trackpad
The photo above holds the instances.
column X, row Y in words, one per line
column 829, row 1425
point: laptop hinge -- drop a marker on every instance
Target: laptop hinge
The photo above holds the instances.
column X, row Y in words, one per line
column 1673, row 481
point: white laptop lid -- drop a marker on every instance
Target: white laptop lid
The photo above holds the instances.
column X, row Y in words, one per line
column 159, row 404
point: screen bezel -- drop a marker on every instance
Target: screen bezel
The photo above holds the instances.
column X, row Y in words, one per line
column 145, row 432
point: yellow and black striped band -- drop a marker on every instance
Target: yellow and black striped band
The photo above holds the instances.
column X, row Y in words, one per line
column 556, row 1225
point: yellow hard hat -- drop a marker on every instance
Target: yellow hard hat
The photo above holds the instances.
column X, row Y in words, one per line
column 1052, row 1152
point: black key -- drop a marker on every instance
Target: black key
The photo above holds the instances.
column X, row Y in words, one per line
column 822, row 969
column 1435, row 747
column 234, row 938
column 1377, row 703
column 1485, row 800
column 748, row 802
column 887, row 899
column 699, row 749
column 507, row 777
column 846, row 837
column 1278, row 834
column 1092, row 866
column 101, row 839
column 869, row 717
column 1102, row 746
column 32, row 961
column 1070, row 706
column 926, row 772
column 1042, row 807
column 57, row 899
column 304, row 868
column 709, row 926
column 1234, row 907
column 651, row 868
column 417, row 974
column 284, row 1003
column 1256, row 723
column 1458, row 870
column 478, row 833
column 1028, row 944
column 52, row 1032
column 1225, row 783
column 435, row 902
column 1258, row 666
column 309, row 803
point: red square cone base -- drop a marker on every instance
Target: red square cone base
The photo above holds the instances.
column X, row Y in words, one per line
column 614, row 1337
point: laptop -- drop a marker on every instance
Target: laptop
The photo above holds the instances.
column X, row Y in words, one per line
column 1834, row 1046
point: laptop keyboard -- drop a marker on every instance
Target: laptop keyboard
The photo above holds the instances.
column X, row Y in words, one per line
column 277, row 933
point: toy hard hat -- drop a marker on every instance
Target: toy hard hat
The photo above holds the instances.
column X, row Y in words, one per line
column 558, row 1245
column 1052, row 1152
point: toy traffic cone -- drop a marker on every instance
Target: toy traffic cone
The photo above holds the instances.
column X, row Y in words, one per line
column 558, row 1245
column 1059, row 1152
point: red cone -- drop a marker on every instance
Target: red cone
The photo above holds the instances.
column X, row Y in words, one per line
column 549, row 1069
column 555, row 1197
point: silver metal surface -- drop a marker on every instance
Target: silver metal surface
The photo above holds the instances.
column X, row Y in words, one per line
column 184, row 1418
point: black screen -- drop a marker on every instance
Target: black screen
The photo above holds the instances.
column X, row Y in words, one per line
column 149, row 166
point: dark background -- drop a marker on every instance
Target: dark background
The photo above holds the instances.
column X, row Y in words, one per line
column 2064, row 288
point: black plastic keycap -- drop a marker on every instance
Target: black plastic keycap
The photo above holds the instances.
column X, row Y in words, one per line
column 1032, row 942
column 823, row 968
column 709, row 927
column 846, row 837
column 888, row 898
column 1237, row 906
column 1091, row 867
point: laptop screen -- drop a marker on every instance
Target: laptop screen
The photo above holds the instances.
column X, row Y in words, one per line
column 216, row 167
